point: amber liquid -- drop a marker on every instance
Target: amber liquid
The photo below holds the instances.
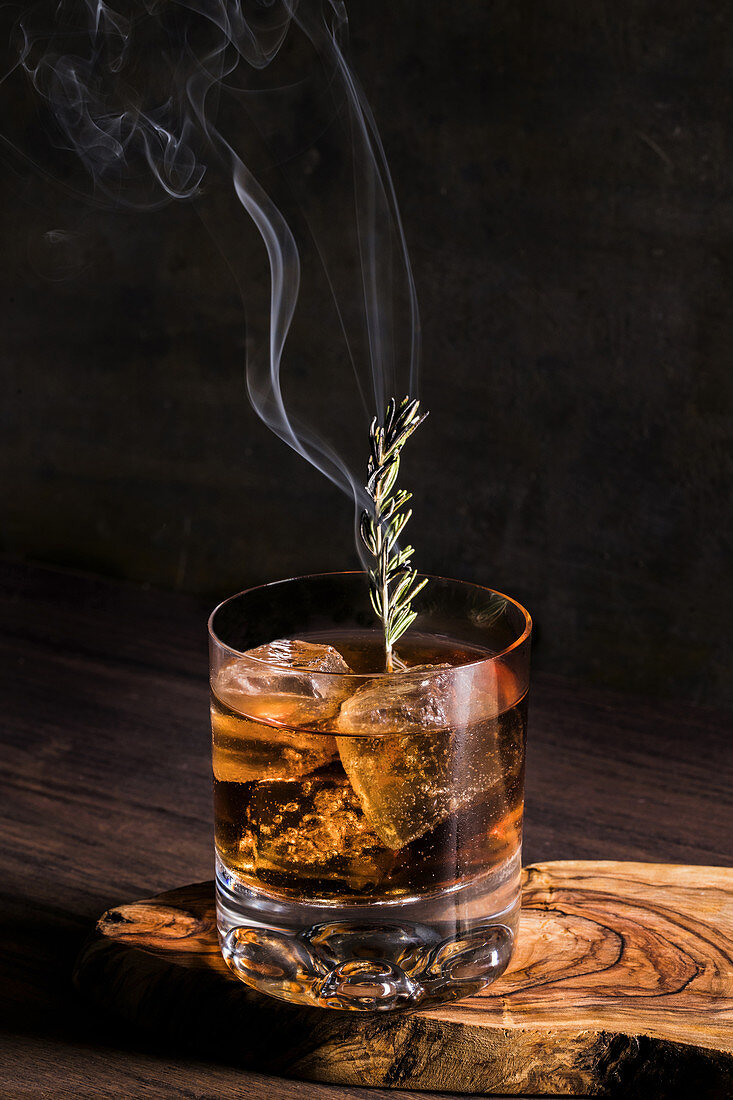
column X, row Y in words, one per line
column 304, row 809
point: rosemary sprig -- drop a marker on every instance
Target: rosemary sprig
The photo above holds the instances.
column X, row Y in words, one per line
column 393, row 583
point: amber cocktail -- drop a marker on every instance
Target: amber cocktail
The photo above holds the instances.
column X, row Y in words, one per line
column 368, row 825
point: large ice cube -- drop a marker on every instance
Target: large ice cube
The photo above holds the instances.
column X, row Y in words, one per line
column 314, row 829
column 424, row 764
column 289, row 653
column 414, row 700
column 244, row 750
column 274, row 678
column 263, row 702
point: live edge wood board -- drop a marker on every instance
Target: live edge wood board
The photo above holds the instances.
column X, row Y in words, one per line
column 621, row 984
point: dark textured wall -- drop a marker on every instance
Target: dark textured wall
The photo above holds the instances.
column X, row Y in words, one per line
column 565, row 173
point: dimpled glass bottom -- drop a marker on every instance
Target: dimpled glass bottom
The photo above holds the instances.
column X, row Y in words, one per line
column 390, row 955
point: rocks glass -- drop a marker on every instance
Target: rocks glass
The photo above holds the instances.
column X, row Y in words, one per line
column 368, row 825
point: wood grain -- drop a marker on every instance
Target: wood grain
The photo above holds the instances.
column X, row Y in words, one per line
column 105, row 796
column 621, row 982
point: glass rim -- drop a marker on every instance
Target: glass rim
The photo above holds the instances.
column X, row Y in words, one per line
column 368, row 675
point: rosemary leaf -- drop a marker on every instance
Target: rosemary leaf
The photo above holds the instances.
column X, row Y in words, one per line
column 393, row 583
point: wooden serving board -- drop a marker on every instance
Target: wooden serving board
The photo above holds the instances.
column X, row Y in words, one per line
column 621, row 984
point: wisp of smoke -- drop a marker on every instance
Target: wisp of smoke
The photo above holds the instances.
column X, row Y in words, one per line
column 143, row 93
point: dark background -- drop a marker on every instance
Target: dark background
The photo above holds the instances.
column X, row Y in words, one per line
column 565, row 175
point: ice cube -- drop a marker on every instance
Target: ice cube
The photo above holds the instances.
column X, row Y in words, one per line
column 273, row 678
column 423, row 765
column 399, row 703
column 261, row 712
column 290, row 653
column 314, row 829
column 244, row 750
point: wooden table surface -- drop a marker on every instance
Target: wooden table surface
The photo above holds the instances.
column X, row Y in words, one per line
column 106, row 798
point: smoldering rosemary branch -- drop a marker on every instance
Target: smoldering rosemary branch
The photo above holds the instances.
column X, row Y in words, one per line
column 393, row 583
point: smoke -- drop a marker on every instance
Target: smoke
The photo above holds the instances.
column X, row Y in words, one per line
column 150, row 95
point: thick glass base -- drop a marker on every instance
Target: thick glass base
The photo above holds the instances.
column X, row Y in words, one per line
column 388, row 955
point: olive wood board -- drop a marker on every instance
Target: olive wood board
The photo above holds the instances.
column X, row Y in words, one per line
column 621, row 984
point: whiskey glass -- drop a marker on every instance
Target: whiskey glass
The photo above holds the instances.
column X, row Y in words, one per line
column 368, row 825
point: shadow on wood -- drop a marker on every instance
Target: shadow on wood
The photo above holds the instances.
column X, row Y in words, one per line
column 621, row 984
